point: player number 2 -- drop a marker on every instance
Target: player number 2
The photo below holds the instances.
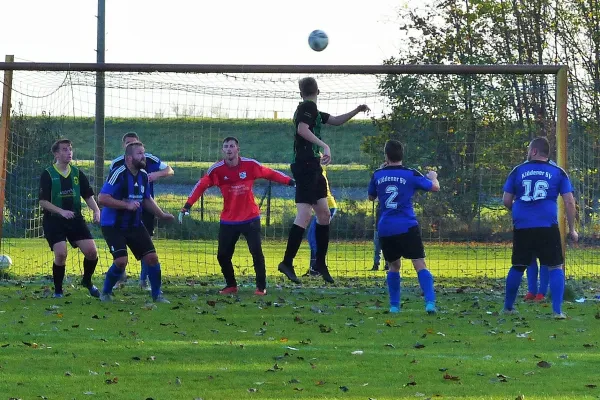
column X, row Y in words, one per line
column 539, row 190
column 393, row 193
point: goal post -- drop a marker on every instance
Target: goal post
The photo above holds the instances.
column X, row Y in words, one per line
column 193, row 106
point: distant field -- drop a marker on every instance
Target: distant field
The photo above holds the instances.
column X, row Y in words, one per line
column 199, row 139
column 188, row 172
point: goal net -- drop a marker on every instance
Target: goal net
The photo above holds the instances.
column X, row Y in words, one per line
column 472, row 129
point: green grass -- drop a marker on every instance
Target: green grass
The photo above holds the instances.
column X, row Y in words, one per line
column 188, row 172
column 199, row 139
column 294, row 343
column 186, row 258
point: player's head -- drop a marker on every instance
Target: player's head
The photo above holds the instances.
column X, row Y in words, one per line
column 394, row 152
column 308, row 87
column 231, row 148
column 135, row 155
column 539, row 149
column 130, row 137
column 62, row 150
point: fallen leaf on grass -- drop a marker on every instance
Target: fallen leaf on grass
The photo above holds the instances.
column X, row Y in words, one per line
column 320, row 383
column 114, row 380
column 274, row 368
column 449, row 377
column 411, row 382
column 544, row 364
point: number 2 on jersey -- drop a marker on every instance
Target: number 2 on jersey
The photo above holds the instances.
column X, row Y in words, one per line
column 393, row 193
column 539, row 190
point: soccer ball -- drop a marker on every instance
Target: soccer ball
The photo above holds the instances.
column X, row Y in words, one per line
column 318, row 40
column 5, row 262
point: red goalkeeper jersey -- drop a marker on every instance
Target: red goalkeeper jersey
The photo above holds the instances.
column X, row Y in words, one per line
column 236, row 184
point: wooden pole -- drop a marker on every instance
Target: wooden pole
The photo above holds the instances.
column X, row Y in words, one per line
column 4, row 134
column 562, row 133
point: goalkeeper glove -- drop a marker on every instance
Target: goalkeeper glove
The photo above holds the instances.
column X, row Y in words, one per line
column 184, row 212
column 292, row 183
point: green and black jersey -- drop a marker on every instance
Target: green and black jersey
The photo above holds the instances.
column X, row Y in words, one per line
column 307, row 112
column 65, row 191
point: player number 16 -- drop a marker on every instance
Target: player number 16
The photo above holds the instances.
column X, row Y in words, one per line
column 539, row 190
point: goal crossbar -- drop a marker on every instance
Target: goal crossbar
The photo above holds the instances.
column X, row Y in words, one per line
column 520, row 69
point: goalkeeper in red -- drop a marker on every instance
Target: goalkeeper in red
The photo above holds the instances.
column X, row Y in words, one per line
column 235, row 176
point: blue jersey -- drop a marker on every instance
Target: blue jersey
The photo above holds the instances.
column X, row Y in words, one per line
column 153, row 164
column 123, row 185
column 536, row 186
column 394, row 187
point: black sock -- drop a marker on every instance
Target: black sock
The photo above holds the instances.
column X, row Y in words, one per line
column 293, row 244
column 58, row 275
column 322, row 238
column 89, row 266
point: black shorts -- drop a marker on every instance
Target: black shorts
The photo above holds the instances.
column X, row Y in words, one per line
column 148, row 219
column 136, row 238
column 405, row 245
column 311, row 185
column 59, row 229
column 545, row 243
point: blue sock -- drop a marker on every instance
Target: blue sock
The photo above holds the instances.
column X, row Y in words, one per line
column 144, row 272
column 513, row 281
column 112, row 277
column 426, row 282
column 544, row 279
column 393, row 283
column 155, row 279
column 532, row 278
column 556, row 277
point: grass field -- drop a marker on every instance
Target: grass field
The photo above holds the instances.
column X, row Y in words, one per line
column 294, row 343
column 467, row 263
column 199, row 139
column 188, row 172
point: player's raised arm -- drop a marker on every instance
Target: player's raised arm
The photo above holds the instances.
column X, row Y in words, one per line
column 435, row 184
column 305, row 133
column 273, row 175
column 204, row 183
column 337, row 120
column 164, row 169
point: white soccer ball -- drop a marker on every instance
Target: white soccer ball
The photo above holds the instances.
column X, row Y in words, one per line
column 5, row 261
column 318, row 40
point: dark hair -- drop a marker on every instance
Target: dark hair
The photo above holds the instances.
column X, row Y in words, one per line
column 308, row 87
column 129, row 148
column 56, row 145
column 393, row 150
column 229, row 138
column 542, row 145
column 130, row 134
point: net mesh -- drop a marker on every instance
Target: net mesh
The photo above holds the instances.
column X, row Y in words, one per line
column 182, row 119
